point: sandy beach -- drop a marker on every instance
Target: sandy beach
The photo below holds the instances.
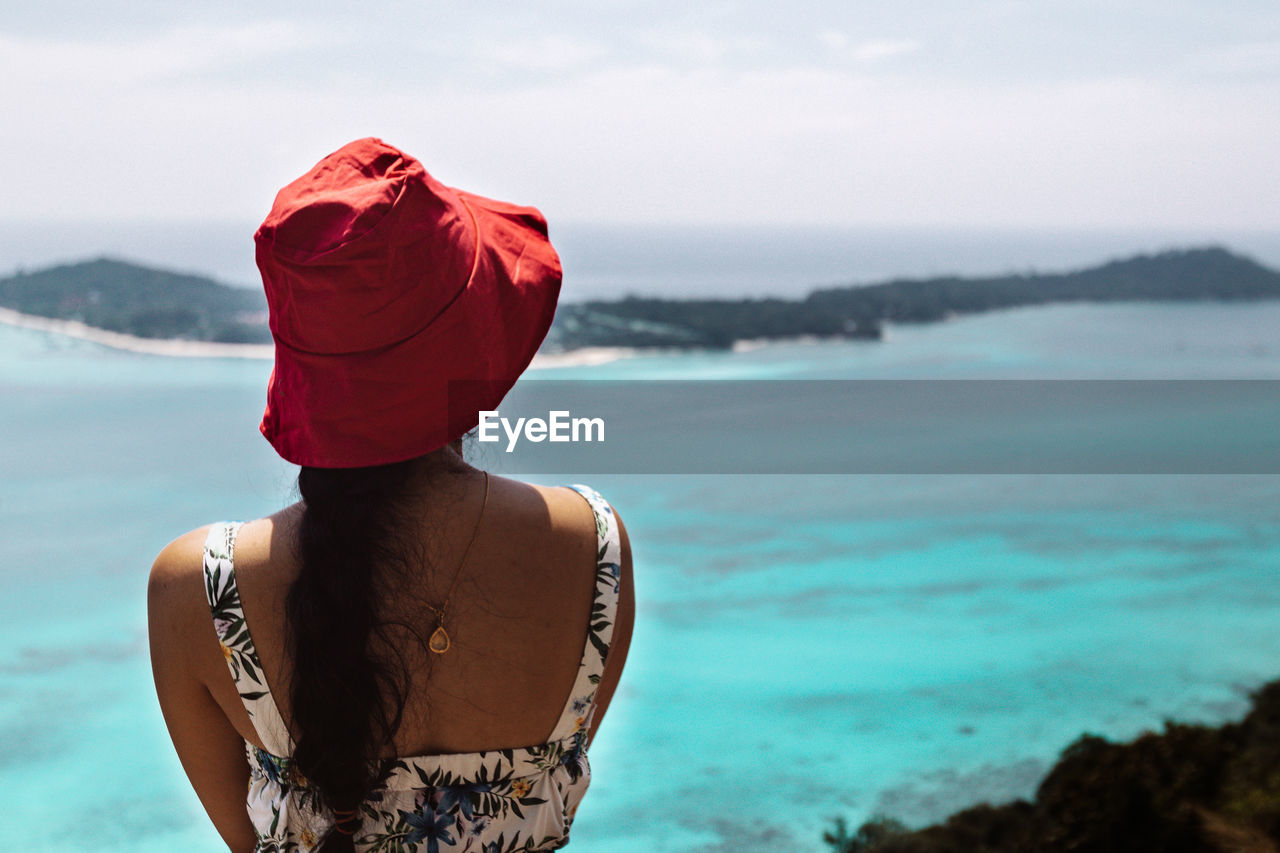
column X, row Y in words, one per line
column 132, row 343
column 584, row 357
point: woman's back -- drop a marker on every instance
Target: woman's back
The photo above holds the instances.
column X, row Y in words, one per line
column 519, row 613
column 492, row 744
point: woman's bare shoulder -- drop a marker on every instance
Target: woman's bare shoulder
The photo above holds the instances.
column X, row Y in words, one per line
column 183, row 559
column 564, row 503
column 177, row 573
column 178, row 564
column 177, row 612
column 624, row 540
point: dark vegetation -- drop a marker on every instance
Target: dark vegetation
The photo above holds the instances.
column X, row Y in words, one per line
column 1189, row 789
column 859, row 311
column 151, row 303
column 124, row 297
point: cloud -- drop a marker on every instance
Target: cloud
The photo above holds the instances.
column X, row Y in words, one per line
column 715, row 119
column 800, row 145
column 876, row 51
column 546, row 52
column 867, row 53
column 686, row 47
column 834, row 39
column 160, row 55
column 1257, row 57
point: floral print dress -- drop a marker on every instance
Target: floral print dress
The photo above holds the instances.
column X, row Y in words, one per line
column 483, row 802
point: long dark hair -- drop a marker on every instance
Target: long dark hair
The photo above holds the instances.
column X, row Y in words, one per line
column 346, row 701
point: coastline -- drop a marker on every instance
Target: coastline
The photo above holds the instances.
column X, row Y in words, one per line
column 132, row 343
column 582, row 357
column 751, row 344
column 173, row 348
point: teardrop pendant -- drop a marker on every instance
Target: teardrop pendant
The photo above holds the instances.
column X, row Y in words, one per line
column 439, row 642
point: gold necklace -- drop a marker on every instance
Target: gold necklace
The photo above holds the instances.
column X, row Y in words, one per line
column 440, row 642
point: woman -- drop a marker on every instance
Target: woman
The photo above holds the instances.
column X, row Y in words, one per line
column 416, row 655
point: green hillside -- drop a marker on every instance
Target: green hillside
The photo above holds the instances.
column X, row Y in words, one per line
column 861, row 310
column 150, row 303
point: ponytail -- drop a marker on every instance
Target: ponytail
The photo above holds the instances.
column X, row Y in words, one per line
column 345, row 703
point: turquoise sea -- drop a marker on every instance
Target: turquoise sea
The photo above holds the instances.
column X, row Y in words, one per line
column 805, row 646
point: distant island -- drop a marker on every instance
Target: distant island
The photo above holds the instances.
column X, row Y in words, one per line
column 860, row 311
column 127, row 298
column 119, row 296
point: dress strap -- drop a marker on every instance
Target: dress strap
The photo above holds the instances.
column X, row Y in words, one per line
column 237, row 645
column 580, row 706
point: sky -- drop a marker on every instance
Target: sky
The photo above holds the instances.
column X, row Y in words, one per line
column 987, row 113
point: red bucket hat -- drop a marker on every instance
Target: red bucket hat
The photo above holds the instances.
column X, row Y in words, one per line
column 400, row 307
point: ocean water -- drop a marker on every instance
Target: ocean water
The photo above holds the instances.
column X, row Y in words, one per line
column 805, row 646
